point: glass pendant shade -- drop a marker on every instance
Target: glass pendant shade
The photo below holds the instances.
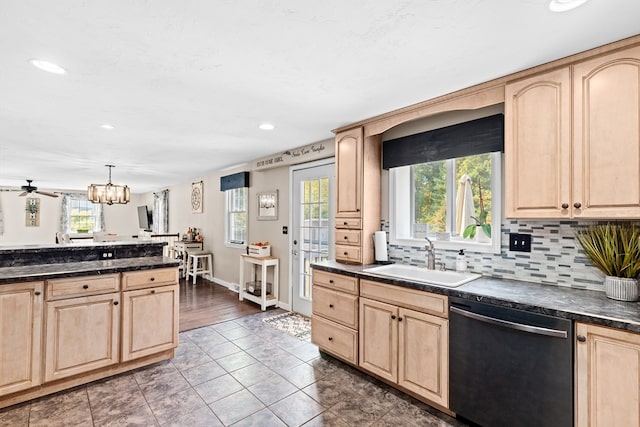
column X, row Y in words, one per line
column 109, row 193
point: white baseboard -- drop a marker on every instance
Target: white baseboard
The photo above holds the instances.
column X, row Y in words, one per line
column 235, row 288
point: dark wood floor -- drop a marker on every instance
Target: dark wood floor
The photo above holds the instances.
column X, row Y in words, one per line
column 207, row 303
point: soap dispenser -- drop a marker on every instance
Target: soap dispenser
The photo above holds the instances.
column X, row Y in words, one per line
column 461, row 261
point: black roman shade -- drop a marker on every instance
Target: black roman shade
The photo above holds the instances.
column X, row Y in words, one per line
column 237, row 180
column 478, row 136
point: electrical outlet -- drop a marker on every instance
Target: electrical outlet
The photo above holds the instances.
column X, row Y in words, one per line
column 519, row 242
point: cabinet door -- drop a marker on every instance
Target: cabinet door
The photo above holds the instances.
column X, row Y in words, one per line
column 607, row 136
column 82, row 334
column 538, row 146
column 423, row 356
column 20, row 336
column 149, row 321
column 608, row 377
column 349, row 165
column 379, row 338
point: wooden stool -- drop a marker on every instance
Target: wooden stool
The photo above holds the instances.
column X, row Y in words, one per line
column 199, row 263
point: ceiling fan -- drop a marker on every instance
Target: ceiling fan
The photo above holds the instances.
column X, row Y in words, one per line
column 28, row 189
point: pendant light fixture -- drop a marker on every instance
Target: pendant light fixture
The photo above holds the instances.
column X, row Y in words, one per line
column 109, row 193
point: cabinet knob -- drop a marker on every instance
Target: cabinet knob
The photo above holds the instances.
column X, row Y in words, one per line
column 346, row 223
column 393, row 317
column 37, row 293
column 330, row 305
column 582, row 338
column 153, row 291
column 85, row 286
column 399, row 319
column 330, row 280
column 153, row 279
column 346, row 253
column 115, row 303
column 577, row 205
column 565, row 206
column 346, row 238
column 357, row 209
column 330, row 338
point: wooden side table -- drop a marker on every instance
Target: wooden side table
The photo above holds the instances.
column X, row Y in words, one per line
column 263, row 298
column 180, row 250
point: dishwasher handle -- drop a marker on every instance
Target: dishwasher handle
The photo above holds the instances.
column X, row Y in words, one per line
column 510, row 325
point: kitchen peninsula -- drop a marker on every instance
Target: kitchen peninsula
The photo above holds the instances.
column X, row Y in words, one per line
column 71, row 314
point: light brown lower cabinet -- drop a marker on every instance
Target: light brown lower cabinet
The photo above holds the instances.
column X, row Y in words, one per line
column 406, row 347
column 149, row 321
column 20, row 336
column 607, row 377
column 82, row 334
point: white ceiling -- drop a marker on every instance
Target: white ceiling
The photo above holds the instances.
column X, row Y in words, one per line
column 186, row 82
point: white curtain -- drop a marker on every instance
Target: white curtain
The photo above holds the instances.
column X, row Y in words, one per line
column 161, row 212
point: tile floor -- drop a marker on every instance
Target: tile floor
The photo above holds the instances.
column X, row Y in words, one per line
column 237, row 373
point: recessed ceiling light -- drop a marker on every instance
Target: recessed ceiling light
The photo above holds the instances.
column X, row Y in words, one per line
column 565, row 5
column 266, row 126
column 107, row 126
column 48, row 66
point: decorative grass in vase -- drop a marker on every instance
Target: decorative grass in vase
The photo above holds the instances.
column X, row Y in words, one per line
column 614, row 249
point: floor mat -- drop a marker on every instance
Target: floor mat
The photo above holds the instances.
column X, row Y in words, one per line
column 291, row 323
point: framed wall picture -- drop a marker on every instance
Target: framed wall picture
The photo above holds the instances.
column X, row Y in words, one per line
column 268, row 205
column 196, row 197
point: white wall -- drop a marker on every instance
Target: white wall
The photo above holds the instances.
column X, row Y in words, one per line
column 119, row 219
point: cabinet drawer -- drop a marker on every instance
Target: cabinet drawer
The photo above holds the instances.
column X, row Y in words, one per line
column 336, row 339
column 337, row 306
column 336, row 281
column 348, row 253
column 348, row 237
column 147, row 278
column 425, row 302
column 352, row 223
column 82, row 286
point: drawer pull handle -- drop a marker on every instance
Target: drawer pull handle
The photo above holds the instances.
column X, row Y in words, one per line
column 115, row 303
column 37, row 293
column 565, row 206
column 330, row 338
column 393, row 317
column 346, row 223
column 330, row 305
column 330, row 280
column 346, row 253
column 153, row 291
column 577, row 205
column 85, row 286
column 582, row 338
column 346, row 238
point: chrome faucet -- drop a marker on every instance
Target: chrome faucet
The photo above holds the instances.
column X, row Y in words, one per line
column 431, row 255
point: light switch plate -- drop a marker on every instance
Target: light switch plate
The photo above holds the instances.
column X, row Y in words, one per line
column 520, row 242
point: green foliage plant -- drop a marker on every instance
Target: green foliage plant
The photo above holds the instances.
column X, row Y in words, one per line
column 480, row 220
column 612, row 248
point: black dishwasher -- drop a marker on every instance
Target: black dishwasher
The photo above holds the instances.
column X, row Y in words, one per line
column 509, row 367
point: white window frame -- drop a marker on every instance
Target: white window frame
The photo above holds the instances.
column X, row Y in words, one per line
column 401, row 207
column 96, row 209
column 227, row 221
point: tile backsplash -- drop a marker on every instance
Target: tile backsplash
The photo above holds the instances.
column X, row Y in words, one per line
column 555, row 257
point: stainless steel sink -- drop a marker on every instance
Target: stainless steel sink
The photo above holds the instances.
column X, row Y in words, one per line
column 412, row 273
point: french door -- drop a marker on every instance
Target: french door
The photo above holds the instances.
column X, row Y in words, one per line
column 312, row 223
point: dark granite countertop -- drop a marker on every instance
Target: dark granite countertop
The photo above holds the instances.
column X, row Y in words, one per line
column 82, row 268
column 576, row 304
column 79, row 246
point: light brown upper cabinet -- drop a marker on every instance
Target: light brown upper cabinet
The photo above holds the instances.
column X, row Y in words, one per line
column 358, row 170
column 572, row 140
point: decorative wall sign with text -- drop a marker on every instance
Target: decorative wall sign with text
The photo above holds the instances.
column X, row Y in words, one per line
column 320, row 150
column 32, row 212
